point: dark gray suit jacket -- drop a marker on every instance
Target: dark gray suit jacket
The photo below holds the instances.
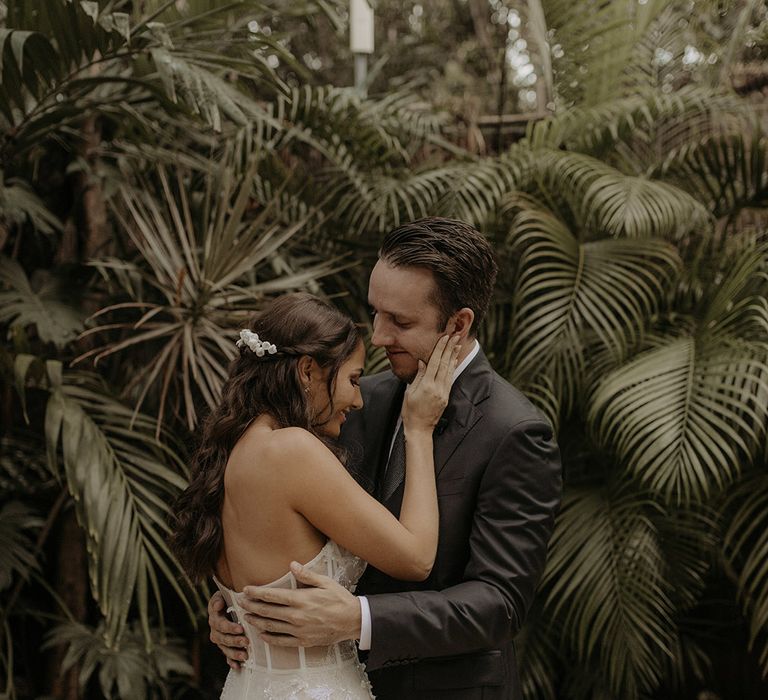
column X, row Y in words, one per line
column 498, row 485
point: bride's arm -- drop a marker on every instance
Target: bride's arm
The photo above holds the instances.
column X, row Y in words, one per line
column 323, row 492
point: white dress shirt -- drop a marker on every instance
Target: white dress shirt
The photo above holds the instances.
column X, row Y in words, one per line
column 365, row 609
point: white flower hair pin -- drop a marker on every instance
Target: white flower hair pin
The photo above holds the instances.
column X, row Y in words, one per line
column 252, row 341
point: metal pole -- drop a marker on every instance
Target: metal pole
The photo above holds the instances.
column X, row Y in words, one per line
column 361, row 40
column 361, row 73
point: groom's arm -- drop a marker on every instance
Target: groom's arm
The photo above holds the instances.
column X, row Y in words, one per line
column 516, row 505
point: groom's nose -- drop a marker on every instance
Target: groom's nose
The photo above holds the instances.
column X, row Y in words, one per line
column 382, row 334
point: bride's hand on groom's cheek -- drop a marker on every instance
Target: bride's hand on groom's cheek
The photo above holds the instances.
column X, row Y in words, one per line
column 322, row 614
column 225, row 634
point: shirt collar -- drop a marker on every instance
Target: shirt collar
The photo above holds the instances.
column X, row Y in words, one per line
column 465, row 362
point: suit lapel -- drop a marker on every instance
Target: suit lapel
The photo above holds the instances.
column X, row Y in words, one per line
column 470, row 389
column 382, row 408
column 460, row 416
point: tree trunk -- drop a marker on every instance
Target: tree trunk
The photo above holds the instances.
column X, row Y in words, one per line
column 94, row 207
column 72, row 586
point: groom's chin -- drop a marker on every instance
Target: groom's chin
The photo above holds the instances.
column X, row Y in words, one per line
column 404, row 374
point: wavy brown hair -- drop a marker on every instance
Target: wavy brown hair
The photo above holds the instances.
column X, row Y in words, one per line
column 299, row 325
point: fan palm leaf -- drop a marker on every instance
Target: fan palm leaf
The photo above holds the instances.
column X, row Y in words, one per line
column 19, row 204
column 207, row 261
column 125, row 669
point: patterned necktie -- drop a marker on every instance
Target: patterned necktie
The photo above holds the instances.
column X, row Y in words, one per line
column 395, row 466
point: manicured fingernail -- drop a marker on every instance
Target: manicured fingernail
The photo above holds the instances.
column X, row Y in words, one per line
column 295, row 567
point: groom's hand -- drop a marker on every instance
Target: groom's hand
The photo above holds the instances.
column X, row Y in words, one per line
column 225, row 634
column 323, row 614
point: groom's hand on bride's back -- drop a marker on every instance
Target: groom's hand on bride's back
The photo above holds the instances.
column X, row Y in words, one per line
column 321, row 614
column 225, row 634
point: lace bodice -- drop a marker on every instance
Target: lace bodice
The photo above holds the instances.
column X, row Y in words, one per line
column 333, row 561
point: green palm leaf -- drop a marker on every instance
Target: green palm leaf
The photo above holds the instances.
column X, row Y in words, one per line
column 17, row 522
column 115, row 470
column 379, row 201
column 126, row 668
column 728, row 172
column 746, row 550
column 208, row 259
column 661, row 121
column 681, row 416
column 571, row 296
column 605, row 582
column 72, row 58
column 21, row 306
column 685, row 414
column 608, row 202
column 18, row 204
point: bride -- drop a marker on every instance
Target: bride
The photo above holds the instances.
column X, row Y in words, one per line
column 268, row 487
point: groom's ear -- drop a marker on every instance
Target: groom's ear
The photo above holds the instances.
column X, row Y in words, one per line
column 461, row 322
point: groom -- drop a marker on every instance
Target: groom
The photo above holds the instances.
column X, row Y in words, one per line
column 498, row 484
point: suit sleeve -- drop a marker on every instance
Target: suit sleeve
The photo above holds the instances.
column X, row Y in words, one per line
column 516, row 505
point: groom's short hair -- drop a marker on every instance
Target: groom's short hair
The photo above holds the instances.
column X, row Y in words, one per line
column 457, row 254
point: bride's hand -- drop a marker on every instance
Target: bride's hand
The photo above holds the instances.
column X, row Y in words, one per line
column 427, row 396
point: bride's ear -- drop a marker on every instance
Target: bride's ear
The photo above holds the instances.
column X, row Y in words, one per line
column 305, row 368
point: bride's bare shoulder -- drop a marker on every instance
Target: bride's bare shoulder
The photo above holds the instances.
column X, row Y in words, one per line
column 275, row 452
column 293, row 443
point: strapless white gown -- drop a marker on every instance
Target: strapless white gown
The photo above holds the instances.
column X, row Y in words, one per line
column 300, row 673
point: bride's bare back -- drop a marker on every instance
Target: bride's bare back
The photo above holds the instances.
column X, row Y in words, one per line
column 262, row 531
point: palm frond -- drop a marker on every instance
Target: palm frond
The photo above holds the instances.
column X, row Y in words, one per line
column 76, row 57
column 208, row 259
column 17, row 523
column 22, row 306
column 648, row 115
column 683, row 416
column 375, row 130
column 604, row 581
column 125, row 668
column 116, row 472
column 19, row 204
column 608, row 202
column 728, row 172
column 745, row 546
column 570, row 296
column 379, row 201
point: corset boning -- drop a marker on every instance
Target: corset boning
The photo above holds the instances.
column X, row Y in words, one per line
column 336, row 563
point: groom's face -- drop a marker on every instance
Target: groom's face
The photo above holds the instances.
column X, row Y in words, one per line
column 406, row 320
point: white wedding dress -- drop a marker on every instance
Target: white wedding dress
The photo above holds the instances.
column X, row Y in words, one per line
column 300, row 673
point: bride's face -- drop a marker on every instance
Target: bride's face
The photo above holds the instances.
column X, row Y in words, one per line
column 346, row 394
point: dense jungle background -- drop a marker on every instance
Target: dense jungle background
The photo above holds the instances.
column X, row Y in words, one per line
column 167, row 166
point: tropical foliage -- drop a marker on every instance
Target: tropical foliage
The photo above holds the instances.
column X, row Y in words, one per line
column 166, row 167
